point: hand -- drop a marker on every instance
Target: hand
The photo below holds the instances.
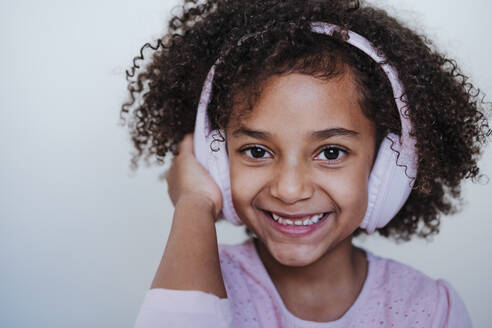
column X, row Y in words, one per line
column 188, row 178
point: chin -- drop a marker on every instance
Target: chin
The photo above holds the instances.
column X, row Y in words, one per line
column 294, row 255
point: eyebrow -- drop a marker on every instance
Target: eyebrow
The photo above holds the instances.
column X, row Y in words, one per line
column 316, row 135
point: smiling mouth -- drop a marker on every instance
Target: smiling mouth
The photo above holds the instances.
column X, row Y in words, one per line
column 305, row 221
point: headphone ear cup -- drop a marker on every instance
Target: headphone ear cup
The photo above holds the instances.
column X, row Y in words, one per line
column 389, row 185
column 212, row 154
column 223, row 179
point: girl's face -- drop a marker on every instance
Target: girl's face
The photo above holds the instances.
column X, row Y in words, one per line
column 306, row 149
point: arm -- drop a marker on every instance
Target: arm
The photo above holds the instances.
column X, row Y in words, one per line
column 191, row 258
column 188, row 288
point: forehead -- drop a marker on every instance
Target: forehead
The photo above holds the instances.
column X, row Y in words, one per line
column 304, row 103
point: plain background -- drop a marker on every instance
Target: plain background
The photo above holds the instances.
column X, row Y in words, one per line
column 81, row 235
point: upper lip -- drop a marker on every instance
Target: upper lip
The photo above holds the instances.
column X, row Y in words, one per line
column 295, row 215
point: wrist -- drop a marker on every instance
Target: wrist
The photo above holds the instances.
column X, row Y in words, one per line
column 197, row 201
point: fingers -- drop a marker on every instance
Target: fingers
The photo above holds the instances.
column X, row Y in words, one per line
column 186, row 145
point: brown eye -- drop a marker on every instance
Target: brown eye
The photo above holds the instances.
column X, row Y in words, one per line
column 255, row 152
column 332, row 154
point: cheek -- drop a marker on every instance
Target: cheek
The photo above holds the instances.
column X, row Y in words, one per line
column 246, row 183
column 348, row 188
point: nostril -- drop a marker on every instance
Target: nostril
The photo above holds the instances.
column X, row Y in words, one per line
column 291, row 190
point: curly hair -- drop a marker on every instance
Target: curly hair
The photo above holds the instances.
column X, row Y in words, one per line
column 447, row 111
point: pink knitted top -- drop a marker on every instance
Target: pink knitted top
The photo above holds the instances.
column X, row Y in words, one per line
column 393, row 295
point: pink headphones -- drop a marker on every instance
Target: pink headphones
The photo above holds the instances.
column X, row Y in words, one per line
column 394, row 170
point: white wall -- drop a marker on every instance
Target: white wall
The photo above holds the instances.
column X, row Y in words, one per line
column 80, row 237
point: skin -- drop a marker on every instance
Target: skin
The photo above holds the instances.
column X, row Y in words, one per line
column 318, row 276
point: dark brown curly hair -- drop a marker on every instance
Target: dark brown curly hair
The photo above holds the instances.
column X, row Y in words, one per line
column 447, row 111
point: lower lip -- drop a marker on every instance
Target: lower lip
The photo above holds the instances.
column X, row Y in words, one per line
column 297, row 230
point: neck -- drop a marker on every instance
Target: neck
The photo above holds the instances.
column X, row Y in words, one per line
column 340, row 270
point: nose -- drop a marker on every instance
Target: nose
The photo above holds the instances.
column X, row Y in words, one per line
column 292, row 183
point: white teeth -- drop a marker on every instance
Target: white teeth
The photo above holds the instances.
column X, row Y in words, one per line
column 285, row 221
column 316, row 218
column 312, row 220
column 275, row 217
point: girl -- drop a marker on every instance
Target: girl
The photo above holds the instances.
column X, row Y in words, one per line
column 310, row 122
